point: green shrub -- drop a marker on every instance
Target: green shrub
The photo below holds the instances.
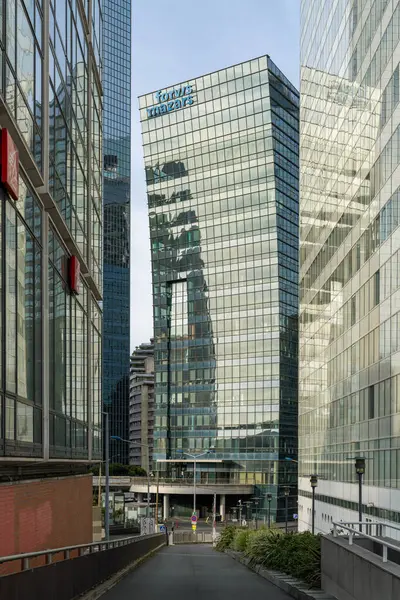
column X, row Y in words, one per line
column 240, row 540
column 226, row 538
column 297, row 554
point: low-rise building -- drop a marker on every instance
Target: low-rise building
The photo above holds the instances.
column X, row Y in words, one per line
column 141, row 409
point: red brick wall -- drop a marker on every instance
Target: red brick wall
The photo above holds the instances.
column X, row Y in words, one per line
column 47, row 513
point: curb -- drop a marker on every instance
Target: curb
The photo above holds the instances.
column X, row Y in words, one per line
column 292, row 586
column 104, row 587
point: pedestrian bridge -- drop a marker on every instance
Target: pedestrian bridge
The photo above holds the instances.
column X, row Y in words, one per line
column 194, row 571
column 141, row 485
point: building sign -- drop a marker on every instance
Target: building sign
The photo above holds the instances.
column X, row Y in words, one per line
column 9, row 164
column 172, row 100
column 74, row 274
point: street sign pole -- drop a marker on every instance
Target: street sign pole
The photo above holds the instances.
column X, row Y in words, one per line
column 194, row 523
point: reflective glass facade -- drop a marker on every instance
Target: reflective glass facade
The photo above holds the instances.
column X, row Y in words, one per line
column 50, row 338
column 116, row 206
column 221, row 160
column 349, row 216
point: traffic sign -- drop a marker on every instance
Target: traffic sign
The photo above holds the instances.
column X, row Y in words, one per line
column 162, row 529
column 194, row 518
column 194, row 526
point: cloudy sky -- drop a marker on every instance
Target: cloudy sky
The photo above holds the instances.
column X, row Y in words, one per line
column 176, row 41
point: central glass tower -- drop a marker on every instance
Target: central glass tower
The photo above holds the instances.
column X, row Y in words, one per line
column 116, row 201
column 221, row 159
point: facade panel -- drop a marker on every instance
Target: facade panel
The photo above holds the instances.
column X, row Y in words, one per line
column 349, row 217
column 221, row 160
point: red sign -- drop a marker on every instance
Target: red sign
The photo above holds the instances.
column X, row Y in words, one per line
column 194, row 519
column 74, row 274
column 9, row 164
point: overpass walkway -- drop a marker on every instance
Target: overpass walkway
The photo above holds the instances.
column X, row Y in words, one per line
column 193, row 571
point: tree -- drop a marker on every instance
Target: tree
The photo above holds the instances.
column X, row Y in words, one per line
column 135, row 471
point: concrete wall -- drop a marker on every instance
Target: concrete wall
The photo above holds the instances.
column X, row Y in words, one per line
column 45, row 513
column 97, row 524
column 353, row 573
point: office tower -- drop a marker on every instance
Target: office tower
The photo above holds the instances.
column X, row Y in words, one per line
column 50, row 279
column 221, row 160
column 349, row 390
column 141, row 405
column 116, row 204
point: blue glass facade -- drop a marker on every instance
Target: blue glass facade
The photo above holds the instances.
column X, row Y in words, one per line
column 116, row 200
column 221, row 159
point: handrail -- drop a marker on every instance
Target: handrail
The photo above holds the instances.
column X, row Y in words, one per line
column 369, row 523
column 353, row 532
column 168, row 481
column 91, row 547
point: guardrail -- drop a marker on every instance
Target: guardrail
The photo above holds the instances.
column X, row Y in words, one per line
column 353, row 529
column 66, row 551
column 64, row 579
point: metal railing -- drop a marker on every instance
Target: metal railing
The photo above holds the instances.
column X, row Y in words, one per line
column 189, row 537
column 188, row 481
column 353, row 529
column 82, row 549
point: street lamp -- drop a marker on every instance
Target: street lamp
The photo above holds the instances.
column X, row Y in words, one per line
column 120, row 439
column 240, row 512
column 314, row 483
column 286, row 491
column 360, row 470
column 255, row 502
column 269, row 499
column 194, row 457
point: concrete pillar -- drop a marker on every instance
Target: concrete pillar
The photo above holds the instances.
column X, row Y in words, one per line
column 166, row 507
column 222, row 506
column 139, row 497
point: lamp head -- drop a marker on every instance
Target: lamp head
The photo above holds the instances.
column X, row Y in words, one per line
column 314, row 481
column 360, row 465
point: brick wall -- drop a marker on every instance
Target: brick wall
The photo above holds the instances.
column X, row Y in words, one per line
column 46, row 513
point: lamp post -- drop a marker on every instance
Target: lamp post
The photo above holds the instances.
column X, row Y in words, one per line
column 314, row 483
column 286, row 491
column 120, row 439
column 269, row 499
column 360, row 470
column 240, row 512
column 255, row 502
column 194, row 457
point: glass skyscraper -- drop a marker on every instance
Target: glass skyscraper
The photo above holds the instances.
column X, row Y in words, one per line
column 116, row 205
column 50, row 331
column 349, row 390
column 221, row 160
column 51, row 269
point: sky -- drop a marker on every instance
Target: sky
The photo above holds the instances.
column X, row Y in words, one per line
column 176, row 41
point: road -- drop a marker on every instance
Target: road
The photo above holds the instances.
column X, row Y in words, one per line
column 193, row 571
